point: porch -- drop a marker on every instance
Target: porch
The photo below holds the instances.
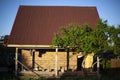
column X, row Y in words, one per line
column 67, row 67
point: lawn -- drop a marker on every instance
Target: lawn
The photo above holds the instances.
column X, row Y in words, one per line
column 8, row 76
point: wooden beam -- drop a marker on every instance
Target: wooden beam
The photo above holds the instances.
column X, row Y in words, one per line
column 31, row 46
column 56, row 62
column 16, row 63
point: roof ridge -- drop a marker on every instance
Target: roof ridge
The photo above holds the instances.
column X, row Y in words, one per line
column 56, row 6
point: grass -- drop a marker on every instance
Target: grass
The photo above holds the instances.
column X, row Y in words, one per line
column 43, row 78
column 75, row 78
column 8, row 76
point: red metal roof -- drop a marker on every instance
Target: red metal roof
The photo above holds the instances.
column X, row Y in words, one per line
column 36, row 25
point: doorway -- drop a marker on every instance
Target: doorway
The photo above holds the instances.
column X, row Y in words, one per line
column 79, row 62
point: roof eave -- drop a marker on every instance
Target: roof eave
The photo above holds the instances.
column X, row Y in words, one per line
column 29, row 46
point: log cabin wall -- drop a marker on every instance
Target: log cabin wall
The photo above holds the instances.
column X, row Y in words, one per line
column 46, row 60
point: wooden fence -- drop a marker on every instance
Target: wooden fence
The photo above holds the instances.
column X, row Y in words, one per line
column 115, row 63
column 115, row 66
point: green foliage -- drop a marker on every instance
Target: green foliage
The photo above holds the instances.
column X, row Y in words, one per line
column 70, row 35
column 75, row 37
column 57, row 41
column 106, row 64
column 83, row 38
column 100, row 39
column 86, row 39
column 114, row 39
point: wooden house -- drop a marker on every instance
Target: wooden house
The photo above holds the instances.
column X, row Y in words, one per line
column 33, row 30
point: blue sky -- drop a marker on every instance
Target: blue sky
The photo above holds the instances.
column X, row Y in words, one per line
column 107, row 9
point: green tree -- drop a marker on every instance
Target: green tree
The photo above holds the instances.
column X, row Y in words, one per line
column 100, row 39
column 114, row 39
column 87, row 40
column 4, row 40
column 82, row 38
column 75, row 37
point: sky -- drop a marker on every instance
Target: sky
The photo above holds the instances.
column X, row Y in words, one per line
column 107, row 9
